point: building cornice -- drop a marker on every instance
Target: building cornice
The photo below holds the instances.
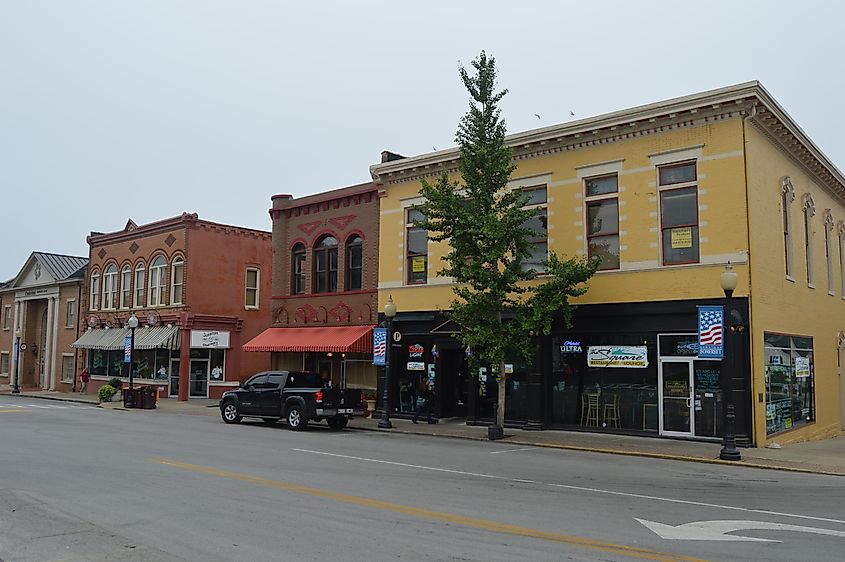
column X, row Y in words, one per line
column 749, row 99
column 185, row 220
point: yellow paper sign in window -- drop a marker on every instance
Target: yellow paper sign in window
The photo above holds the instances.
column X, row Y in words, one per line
column 418, row 265
column 682, row 237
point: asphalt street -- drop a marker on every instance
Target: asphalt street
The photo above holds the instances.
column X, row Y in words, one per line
column 83, row 483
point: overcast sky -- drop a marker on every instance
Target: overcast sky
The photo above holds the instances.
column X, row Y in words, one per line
column 116, row 109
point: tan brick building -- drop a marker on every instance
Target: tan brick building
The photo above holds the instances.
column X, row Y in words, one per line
column 39, row 309
column 325, row 276
column 199, row 289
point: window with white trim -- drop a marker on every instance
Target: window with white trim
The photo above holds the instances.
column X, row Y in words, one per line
column 177, row 280
column 828, row 256
column 678, row 213
column 539, row 224
column 70, row 313
column 109, row 287
column 252, row 279
column 354, row 263
column 139, row 285
column 787, row 196
column 4, row 362
column 416, row 249
column 68, row 361
column 125, row 286
column 157, row 287
column 7, row 317
column 809, row 213
column 95, row 290
column 602, row 203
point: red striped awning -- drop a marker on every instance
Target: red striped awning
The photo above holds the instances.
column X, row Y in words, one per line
column 338, row 339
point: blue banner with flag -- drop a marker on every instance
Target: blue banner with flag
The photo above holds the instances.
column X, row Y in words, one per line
column 711, row 320
column 127, row 349
column 379, row 346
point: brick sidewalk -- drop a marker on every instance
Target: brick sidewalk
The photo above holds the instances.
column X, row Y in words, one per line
column 822, row 457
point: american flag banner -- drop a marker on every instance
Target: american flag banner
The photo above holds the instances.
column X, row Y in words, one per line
column 379, row 346
column 710, row 332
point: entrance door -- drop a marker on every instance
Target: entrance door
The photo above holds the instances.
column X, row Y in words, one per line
column 198, row 383
column 174, row 378
column 675, row 386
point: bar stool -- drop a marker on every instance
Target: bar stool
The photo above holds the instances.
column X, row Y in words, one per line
column 590, row 409
column 610, row 411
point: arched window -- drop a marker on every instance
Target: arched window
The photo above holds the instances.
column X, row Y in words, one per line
column 325, row 265
column 158, row 268
column 809, row 212
column 297, row 283
column 139, row 285
column 177, row 280
column 109, row 287
column 93, row 303
column 354, row 263
column 125, row 286
column 787, row 196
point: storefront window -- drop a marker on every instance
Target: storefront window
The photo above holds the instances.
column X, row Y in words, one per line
column 620, row 397
column 790, row 396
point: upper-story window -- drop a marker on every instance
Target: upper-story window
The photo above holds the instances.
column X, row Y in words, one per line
column 110, row 287
column 94, row 301
column 325, row 264
column 7, row 317
column 679, row 213
column 253, row 276
column 828, row 254
column 297, row 283
column 787, row 196
column 602, row 202
column 70, row 316
column 416, row 249
column 354, row 262
column 125, row 286
column 139, row 285
column 841, row 230
column 809, row 213
column 539, row 224
column 157, row 287
column 177, row 280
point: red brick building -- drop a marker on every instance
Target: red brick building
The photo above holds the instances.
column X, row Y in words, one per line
column 39, row 309
column 199, row 289
column 325, row 280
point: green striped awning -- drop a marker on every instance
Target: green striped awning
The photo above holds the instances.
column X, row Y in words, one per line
column 155, row 337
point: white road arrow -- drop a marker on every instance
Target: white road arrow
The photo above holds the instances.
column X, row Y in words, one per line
column 716, row 530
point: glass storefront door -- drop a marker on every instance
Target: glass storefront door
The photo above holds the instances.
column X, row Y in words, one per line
column 675, row 386
column 198, row 383
column 174, row 377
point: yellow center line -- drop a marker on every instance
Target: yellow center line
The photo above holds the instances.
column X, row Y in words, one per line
column 484, row 524
column 12, row 410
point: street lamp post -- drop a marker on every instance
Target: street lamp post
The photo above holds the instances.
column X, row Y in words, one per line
column 729, row 451
column 389, row 312
column 16, row 388
column 132, row 323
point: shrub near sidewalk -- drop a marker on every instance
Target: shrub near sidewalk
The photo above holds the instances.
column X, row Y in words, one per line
column 106, row 392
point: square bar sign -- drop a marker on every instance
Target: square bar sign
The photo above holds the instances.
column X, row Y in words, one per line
column 711, row 321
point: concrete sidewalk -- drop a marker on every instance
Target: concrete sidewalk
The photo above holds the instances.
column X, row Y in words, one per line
column 820, row 457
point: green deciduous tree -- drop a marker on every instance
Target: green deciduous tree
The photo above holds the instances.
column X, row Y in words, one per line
column 499, row 302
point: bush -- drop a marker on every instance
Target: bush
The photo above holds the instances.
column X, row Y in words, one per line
column 116, row 383
column 106, row 392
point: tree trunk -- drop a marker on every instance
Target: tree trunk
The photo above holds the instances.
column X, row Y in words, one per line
column 500, row 410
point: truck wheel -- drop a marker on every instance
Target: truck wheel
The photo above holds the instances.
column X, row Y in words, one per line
column 296, row 419
column 230, row 413
column 338, row 422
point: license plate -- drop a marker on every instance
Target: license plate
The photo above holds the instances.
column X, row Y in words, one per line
column 345, row 411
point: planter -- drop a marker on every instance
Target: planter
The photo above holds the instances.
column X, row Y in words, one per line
column 494, row 432
column 370, row 408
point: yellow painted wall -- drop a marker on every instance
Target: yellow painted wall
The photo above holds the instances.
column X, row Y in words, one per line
column 722, row 224
column 791, row 307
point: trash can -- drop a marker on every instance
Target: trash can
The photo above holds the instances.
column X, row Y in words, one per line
column 148, row 397
column 131, row 398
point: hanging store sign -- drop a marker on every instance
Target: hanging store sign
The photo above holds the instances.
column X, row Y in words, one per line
column 416, row 366
column 379, row 346
column 623, row 356
column 571, row 347
column 209, row 339
column 710, row 332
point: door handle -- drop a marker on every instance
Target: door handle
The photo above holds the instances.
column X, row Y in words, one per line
column 689, row 402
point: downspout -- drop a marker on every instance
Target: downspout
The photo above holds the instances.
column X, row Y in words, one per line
column 78, row 319
column 745, row 123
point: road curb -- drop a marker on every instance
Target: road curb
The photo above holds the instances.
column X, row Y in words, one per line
column 54, row 398
column 644, row 454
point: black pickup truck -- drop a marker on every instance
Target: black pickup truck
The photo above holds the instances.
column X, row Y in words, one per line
column 299, row 397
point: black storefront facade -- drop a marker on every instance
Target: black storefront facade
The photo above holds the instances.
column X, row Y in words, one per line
column 628, row 368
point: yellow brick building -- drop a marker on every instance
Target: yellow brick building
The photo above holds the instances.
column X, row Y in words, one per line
column 666, row 194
